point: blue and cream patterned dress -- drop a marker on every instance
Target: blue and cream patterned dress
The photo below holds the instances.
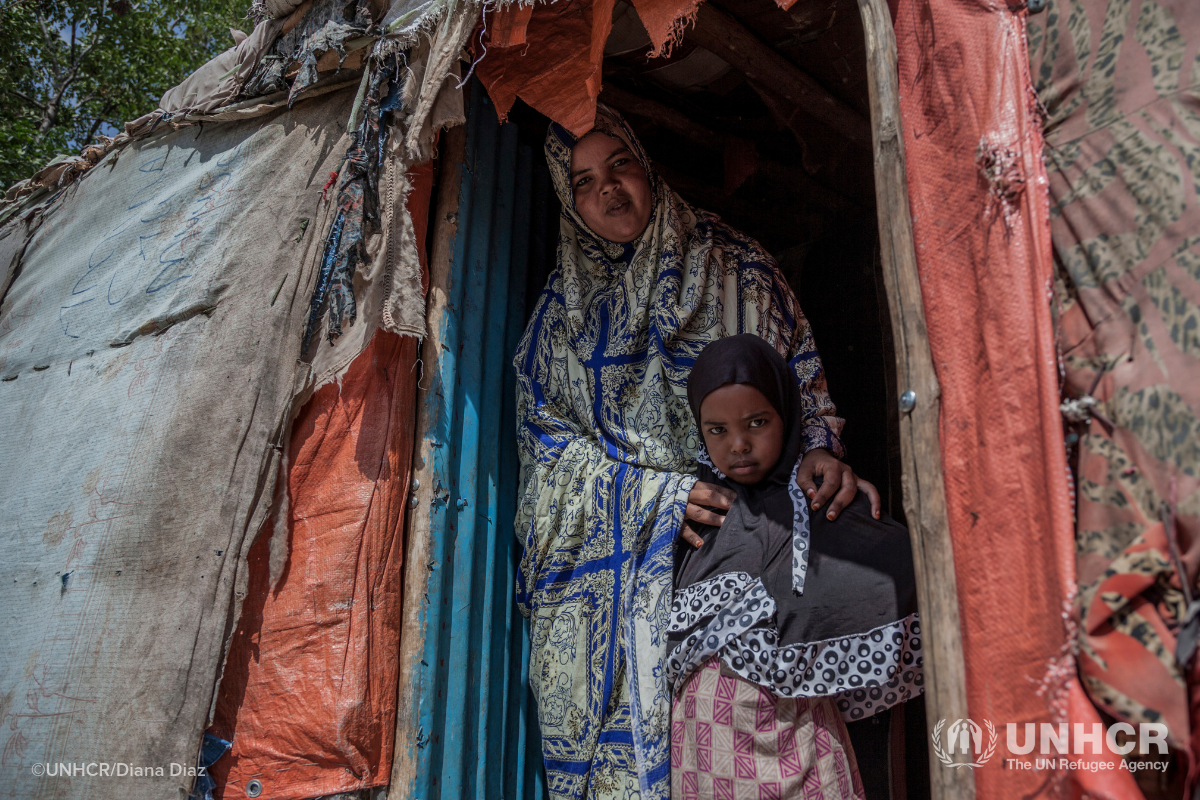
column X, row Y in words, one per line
column 608, row 454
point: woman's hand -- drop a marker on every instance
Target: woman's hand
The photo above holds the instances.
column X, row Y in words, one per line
column 704, row 494
column 839, row 484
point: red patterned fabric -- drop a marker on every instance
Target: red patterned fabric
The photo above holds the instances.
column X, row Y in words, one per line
column 1120, row 84
column 732, row 740
column 981, row 228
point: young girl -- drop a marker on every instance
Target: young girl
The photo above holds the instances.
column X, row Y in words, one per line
column 781, row 625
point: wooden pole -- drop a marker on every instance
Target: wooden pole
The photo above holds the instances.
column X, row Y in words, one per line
column 634, row 105
column 924, row 488
column 629, row 104
column 409, row 735
column 726, row 37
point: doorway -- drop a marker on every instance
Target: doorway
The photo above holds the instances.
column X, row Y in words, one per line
column 731, row 146
column 804, row 189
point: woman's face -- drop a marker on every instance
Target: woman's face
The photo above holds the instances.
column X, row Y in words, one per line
column 612, row 191
column 742, row 431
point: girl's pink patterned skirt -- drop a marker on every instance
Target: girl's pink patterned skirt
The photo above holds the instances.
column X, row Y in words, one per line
column 732, row 740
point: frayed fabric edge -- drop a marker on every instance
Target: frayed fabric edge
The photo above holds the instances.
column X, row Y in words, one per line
column 402, row 290
column 675, row 30
column 445, row 47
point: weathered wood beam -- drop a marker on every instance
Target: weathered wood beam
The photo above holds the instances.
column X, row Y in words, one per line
column 677, row 122
column 418, row 530
column 924, row 486
column 662, row 114
column 811, row 218
column 294, row 18
column 808, row 16
column 830, row 160
column 726, row 37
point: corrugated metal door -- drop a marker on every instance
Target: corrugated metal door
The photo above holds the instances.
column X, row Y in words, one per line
column 467, row 728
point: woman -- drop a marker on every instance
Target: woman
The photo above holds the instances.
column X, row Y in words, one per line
column 608, row 447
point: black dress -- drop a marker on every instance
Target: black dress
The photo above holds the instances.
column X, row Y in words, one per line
column 802, row 607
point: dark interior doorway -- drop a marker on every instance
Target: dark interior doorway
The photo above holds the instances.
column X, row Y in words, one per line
column 730, row 145
column 805, row 192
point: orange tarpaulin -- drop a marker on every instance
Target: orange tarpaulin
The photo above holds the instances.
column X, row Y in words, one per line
column 550, row 55
column 977, row 188
column 308, row 696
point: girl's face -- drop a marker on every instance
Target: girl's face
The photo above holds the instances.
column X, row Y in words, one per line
column 742, row 431
column 612, row 192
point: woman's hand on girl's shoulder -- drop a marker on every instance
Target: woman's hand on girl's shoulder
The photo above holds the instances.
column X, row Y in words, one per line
column 838, row 486
column 701, row 499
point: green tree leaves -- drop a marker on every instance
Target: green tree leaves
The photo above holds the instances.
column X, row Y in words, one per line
column 70, row 69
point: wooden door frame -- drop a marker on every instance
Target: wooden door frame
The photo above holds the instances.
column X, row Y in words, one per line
column 922, row 479
column 920, row 444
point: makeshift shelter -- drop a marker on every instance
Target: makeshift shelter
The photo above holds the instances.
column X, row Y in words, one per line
column 268, row 453
column 214, row 464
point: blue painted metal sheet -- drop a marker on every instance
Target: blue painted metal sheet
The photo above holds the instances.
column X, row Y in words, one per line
column 478, row 730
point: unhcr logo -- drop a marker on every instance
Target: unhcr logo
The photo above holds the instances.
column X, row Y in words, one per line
column 964, row 743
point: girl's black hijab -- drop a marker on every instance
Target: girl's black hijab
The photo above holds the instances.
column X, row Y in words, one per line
column 748, row 359
column 827, row 579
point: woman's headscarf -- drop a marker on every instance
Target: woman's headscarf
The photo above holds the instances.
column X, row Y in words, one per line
column 747, row 359
column 559, row 144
